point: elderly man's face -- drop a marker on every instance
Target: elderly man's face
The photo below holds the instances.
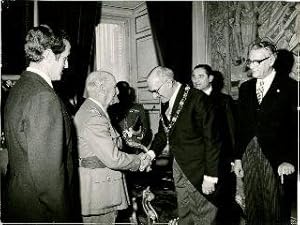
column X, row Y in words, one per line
column 160, row 89
column 112, row 92
column 260, row 62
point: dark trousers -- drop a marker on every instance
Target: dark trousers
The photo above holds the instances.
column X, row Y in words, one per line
column 263, row 191
column 193, row 207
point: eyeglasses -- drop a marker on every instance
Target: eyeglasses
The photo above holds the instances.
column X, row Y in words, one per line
column 256, row 62
column 156, row 92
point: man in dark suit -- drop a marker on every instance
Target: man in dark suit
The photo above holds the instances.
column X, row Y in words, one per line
column 211, row 83
column 38, row 134
column 267, row 138
column 189, row 129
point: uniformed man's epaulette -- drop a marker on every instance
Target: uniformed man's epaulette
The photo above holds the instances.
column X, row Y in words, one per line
column 134, row 110
column 96, row 111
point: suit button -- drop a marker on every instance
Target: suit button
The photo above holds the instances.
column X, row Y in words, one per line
column 108, row 179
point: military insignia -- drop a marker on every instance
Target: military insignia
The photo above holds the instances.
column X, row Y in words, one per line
column 134, row 110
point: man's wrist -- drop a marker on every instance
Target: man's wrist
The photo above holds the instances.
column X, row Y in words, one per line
column 211, row 179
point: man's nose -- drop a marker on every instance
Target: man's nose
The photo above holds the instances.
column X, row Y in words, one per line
column 251, row 66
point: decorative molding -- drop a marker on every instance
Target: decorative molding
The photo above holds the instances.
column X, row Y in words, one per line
column 116, row 11
column 146, row 57
column 122, row 5
column 141, row 9
column 142, row 23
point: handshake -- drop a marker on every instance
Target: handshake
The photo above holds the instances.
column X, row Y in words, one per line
column 146, row 161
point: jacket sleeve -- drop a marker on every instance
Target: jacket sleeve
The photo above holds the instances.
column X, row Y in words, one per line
column 208, row 115
column 231, row 120
column 147, row 133
column 100, row 141
column 159, row 141
column 44, row 134
column 291, row 140
column 242, row 137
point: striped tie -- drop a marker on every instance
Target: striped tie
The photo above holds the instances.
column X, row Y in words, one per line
column 260, row 91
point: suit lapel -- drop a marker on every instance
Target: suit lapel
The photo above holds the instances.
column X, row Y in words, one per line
column 177, row 100
column 176, row 103
column 67, row 122
column 252, row 91
column 272, row 91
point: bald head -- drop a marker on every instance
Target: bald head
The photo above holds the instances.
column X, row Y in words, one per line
column 160, row 74
column 100, row 85
column 161, row 83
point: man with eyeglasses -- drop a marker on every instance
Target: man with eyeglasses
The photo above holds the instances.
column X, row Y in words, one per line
column 189, row 128
column 267, row 138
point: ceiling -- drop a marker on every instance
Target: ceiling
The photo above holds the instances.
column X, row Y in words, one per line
column 122, row 4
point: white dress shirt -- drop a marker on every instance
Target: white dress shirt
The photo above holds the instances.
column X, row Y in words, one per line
column 208, row 90
column 172, row 101
column 267, row 82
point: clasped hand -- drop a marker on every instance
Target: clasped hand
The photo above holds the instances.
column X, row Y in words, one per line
column 208, row 187
column 146, row 162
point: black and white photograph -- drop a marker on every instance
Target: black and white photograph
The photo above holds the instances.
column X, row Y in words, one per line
column 149, row 112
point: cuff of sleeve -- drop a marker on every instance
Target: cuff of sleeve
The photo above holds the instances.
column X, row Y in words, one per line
column 211, row 179
column 151, row 153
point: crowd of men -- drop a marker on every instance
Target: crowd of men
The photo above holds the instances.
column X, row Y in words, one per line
column 60, row 171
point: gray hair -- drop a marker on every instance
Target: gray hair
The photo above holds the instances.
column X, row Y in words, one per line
column 162, row 73
column 96, row 79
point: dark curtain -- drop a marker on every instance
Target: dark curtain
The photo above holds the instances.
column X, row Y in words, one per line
column 78, row 19
column 16, row 20
column 171, row 24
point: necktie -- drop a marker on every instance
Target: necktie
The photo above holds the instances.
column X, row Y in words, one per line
column 260, row 91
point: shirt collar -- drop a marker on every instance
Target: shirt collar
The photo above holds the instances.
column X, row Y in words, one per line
column 41, row 74
column 270, row 78
column 208, row 90
column 172, row 99
column 267, row 81
column 100, row 105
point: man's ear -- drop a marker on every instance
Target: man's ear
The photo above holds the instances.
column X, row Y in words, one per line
column 210, row 78
column 100, row 86
column 48, row 54
column 273, row 59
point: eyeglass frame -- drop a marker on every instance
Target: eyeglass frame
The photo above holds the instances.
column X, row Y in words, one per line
column 156, row 91
column 256, row 62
